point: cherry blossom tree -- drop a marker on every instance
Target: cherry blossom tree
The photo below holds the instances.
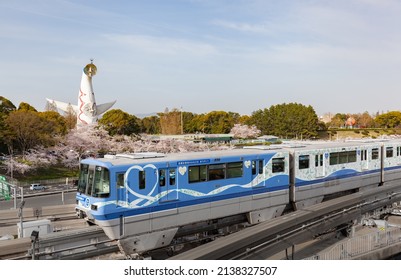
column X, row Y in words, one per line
column 92, row 141
column 244, row 131
column 82, row 141
column 12, row 165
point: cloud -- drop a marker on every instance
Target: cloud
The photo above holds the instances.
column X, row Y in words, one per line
column 244, row 27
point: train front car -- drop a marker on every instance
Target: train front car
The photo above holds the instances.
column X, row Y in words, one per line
column 146, row 202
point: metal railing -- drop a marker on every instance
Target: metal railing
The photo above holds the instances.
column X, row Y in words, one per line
column 58, row 181
column 360, row 245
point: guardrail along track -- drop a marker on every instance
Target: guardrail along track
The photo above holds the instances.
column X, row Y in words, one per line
column 278, row 234
column 70, row 244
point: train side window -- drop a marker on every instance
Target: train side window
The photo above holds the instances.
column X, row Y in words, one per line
column 351, row 156
column 278, row 165
column 398, row 151
column 193, row 172
column 333, row 158
column 120, row 180
column 389, row 152
column 343, row 157
column 162, row 177
column 303, row 161
column 216, row 172
column 171, row 177
column 197, row 173
column 254, row 167
column 203, row 173
column 142, row 179
column 375, row 153
column 260, row 167
column 234, row 169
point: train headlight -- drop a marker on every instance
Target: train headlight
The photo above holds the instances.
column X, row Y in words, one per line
column 94, row 207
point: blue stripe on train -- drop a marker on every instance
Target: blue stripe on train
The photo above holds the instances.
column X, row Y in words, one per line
column 168, row 205
column 342, row 174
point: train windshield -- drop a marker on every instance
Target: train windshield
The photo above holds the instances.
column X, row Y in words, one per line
column 83, row 178
column 94, row 181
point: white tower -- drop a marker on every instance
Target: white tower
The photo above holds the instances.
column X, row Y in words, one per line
column 87, row 111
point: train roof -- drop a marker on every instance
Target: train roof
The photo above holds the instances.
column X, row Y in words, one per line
column 332, row 145
column 121, row 159
column 148, row 157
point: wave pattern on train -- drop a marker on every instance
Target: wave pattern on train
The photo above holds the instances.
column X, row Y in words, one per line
column 148, row 200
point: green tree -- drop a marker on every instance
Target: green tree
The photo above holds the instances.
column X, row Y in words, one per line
column 291, row 120
column 28, row 129
column 150, row 125
column 194, row 123
column 56, row 124
column 26, row 107
column 118, row 122
column 321, row 126
column 6, row 107
column 219, row 122
column 389, row 120
column 261, row 119
column 244, row 119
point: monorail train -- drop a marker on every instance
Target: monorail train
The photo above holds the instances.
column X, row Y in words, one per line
column 146, row 200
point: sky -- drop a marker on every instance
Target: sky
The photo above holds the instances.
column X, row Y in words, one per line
column 340, row 56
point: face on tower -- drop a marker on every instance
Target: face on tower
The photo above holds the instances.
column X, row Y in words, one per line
column 90, row 70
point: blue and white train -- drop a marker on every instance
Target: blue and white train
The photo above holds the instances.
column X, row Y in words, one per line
column 146, row 200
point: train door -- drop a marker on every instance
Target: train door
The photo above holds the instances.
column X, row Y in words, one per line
column 319, row 165
column 167, row 184
column 120, row 198
column 398, row 155
column 258, row 174
column 120, row 195
column 364, row 159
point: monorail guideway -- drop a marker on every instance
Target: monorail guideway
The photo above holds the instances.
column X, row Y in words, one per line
column 282, row 233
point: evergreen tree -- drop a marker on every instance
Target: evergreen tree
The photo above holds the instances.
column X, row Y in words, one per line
column 291, row 120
